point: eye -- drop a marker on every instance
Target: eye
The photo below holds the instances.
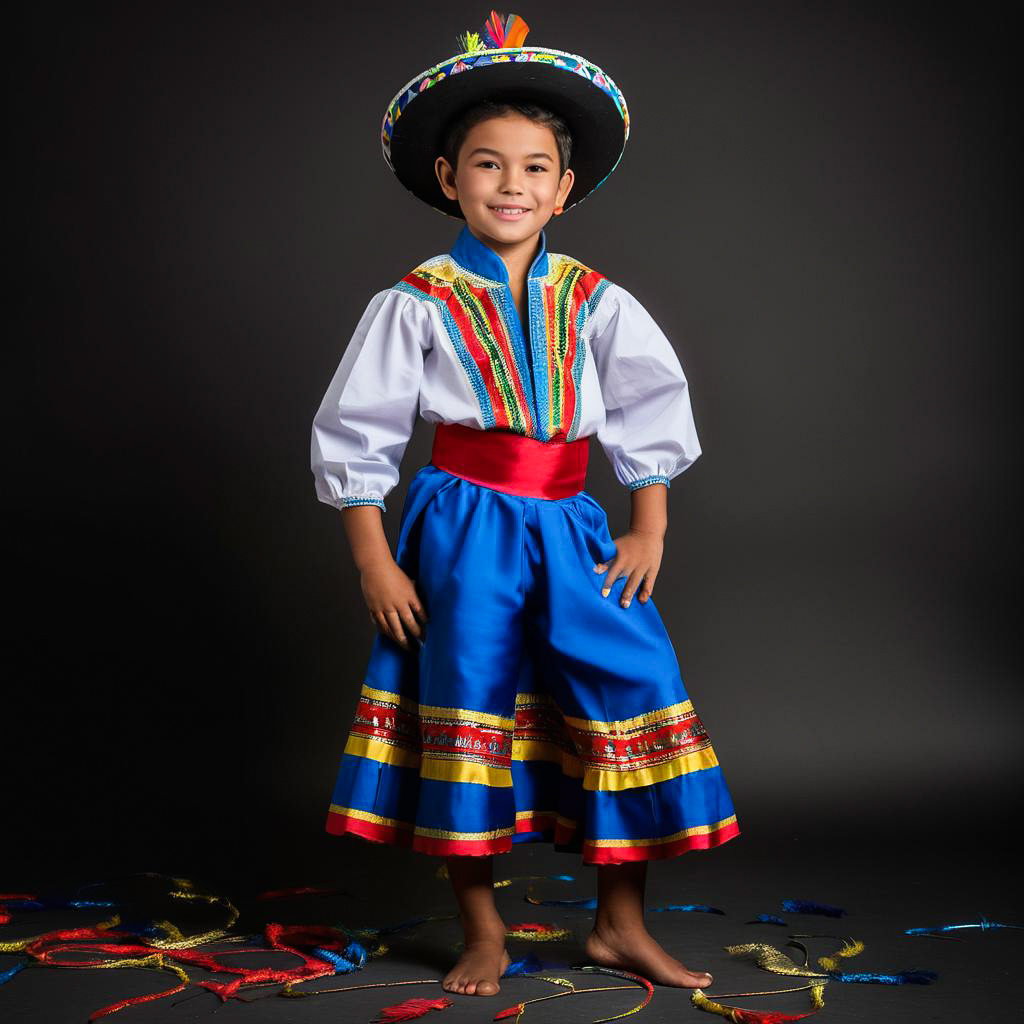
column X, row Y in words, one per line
column 482, row 162
column 540, row 167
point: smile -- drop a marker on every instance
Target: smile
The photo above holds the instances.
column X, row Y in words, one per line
column 509, row 212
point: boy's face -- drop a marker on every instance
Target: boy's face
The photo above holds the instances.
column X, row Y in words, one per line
column 507, row 182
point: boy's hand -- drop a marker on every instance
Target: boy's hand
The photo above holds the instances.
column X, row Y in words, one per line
column 395, row 607
column 638, row 556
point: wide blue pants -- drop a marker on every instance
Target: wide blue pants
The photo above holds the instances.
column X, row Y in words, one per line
column 536, row 709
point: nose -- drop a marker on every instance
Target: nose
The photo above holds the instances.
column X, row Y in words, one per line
column 510, row 181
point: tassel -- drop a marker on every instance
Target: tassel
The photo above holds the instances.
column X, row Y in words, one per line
column 410, row 1009
column 537, row 932
column 500, row 33
column 767, row 919
column 6, row 976
column 851, row 947
column 586, row 903
column 770, row 959
column 983, row 924
column 629, row 975
column 741, row 1016
column 469, row 42
column 529, row 964
column 809, row 907
column 914, row 977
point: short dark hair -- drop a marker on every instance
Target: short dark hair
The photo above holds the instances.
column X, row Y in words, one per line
column 460, row 126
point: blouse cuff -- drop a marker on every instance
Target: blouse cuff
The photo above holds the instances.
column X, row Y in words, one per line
column 653, row 478
column 362, row 499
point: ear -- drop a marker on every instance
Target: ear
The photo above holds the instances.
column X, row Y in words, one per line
column 446, row 177
column 565, row 186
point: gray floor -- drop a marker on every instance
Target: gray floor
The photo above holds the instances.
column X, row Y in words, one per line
column 885, row 885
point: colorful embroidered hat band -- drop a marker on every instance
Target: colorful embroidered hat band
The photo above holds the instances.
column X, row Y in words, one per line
column 576, row 89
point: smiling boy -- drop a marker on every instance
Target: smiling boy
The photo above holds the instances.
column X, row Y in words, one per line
column 533, row 707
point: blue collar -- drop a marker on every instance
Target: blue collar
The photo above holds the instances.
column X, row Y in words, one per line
column 469, row 252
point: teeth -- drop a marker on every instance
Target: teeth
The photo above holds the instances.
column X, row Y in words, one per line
column 509, row 209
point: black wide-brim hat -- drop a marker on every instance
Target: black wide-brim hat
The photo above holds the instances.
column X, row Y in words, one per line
column 576, row 89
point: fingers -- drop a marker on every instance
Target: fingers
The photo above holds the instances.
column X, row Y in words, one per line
column 637, row 576
column 647, row 586
column 401, row 624
column 630, row 588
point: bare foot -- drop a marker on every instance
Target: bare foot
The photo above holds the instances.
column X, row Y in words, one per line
column 483, row 961
column 635, row 949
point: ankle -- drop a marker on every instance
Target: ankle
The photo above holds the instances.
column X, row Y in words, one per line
column 623, row 925
column 482, row 924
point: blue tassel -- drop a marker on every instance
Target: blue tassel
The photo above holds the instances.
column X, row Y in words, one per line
column 809, row 907
column 767, row 919
column 47, row 904
column 983, row 924
column 585, row 903
column 6, row 976
column 528, row 965
column 351, row 959
column 914, row 977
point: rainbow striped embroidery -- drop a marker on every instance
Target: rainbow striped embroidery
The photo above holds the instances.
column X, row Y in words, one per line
column 483, row 325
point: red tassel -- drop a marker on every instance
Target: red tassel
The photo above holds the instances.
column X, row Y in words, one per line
column 409, row 1010
column 510, row 1012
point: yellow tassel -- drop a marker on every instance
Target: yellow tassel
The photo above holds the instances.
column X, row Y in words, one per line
column 851, row 948
column 547, row 935
column 469, row 42
column 770, row 959
column 735, row 1013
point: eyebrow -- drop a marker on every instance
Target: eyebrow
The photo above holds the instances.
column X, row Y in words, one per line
column 529, row 156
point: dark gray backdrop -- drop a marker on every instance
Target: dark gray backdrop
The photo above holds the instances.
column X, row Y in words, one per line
column 817, row 203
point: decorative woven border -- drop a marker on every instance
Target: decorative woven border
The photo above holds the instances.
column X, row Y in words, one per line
column 461, row 62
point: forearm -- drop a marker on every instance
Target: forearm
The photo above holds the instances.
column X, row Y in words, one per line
column 366, row 537
column 649, row 513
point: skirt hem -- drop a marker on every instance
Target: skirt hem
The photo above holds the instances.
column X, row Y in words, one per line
column 562, row 839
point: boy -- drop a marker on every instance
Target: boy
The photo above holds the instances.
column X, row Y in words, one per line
column 531, row 708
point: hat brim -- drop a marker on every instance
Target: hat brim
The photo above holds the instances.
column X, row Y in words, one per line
column 595, row 113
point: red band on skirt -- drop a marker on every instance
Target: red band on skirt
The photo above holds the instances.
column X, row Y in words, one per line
column 512, row 463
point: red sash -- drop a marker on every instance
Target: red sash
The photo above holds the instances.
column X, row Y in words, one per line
column 511, row 462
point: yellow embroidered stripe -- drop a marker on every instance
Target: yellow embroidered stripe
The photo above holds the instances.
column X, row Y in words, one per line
column 386, row 697
column 432, row 833
column 697, row 830
column 611, row 781
column 539, row 750
column 385, row 753
column 629, row 724
column 547, row 816
column 470, row 717
column 458, row 770
column 455, row 769
column 593, row 725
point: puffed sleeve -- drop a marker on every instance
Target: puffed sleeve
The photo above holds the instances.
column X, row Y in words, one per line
column 649, row 435
column 367, row 416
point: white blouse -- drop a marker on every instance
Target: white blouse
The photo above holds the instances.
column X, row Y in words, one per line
column 446, row 343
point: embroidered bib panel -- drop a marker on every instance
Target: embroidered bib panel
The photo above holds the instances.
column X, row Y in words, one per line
column 526, row 380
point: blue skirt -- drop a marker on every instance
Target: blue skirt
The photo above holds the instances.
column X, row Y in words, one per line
column 536, row 709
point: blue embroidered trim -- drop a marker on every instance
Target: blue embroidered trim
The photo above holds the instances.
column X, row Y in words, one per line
column 654, row 478
column 577, row 371
column 539, row 342
column 597, row 294
column 476, row 379
column 363, row 501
